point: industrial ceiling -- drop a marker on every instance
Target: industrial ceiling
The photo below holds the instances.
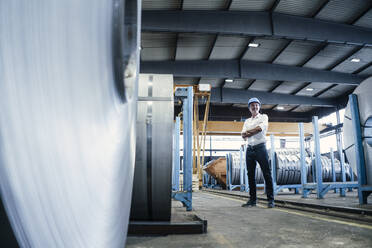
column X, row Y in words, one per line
column 300, row 57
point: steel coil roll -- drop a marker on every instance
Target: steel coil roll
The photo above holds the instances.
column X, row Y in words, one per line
column 364, row 93
column 288, row 167
column 151, row 198
column 68, row 82
column 327, row 170
column 235, row 169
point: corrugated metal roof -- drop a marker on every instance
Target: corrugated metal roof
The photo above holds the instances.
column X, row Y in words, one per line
column 365, row 56
column 194, row 46
column 152, row 39
column 252, row 5
column 299, row 7
column 297, row 53
column 228, row 47
column 329, row 56
column 267, row 50
column 288, row 87
column 317, row 87
column 365, row 20
column 366, row 72
column 238, row 84
column 161, row 4
column 343, row 11
column 336, row 91
column 205, row 4
column 158, row 46
column 262, row 85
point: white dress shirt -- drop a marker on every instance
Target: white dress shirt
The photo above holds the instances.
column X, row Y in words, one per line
column 260, row 120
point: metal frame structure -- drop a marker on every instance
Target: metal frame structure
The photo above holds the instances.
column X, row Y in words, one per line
column 320, row 187
column 324, row 40
column 254, row 23
column 213, row 182
column 363, row 189
column 247, row 69
column 185, row 196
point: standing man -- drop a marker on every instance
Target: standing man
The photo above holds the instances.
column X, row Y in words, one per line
column 254, row 133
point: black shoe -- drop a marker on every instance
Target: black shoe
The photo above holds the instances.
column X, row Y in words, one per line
column 271, row 204
column 249, row 204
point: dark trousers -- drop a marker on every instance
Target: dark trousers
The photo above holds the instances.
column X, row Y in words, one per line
column 259, row 153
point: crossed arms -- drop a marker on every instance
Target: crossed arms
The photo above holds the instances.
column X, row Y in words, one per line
column 251, row 132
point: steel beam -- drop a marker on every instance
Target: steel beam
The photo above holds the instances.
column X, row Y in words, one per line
column 248, row 70
column 226, row 22
column 254, row 24
column 320, row 30
column 237, row 96
column 196, row 68
column 231, row 113
column 267, row 71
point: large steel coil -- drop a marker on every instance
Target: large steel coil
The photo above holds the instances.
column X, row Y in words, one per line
column 364, row 93
column 68, row 72
column 151, row 198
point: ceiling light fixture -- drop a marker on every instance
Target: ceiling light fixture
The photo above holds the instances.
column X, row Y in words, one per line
column 253, row 45
column 227, row 80
column 309, row 89
column 355, row 60
column 280, row 108
column 204, row 87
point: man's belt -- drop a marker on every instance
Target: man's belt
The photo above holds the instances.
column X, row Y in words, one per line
column 249, row 147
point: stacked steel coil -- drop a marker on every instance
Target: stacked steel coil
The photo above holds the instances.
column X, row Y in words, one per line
column 288, row 168
column 234, row 164
column 327, row 170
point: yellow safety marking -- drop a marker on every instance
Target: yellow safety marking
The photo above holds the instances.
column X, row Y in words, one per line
column 303, row 214
column 326, row 219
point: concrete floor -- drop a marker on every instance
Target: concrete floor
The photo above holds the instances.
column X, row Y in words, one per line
column 230, row 225
column 350, row 200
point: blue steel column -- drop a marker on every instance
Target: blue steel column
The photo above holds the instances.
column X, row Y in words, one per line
column 241, row 153
column 245, row 170
column 340, row 152
column 176, row 156
column 187, row 147
column 227, row 172
column 273, row 164
column 318, row 162
column 359, row 151
column 302, row 159
column 333, row 167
